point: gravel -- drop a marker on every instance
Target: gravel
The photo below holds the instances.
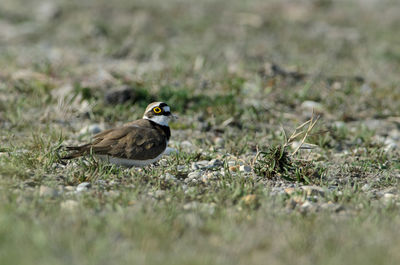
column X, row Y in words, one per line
column 84, row 186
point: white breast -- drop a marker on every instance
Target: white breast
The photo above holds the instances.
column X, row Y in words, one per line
column 129, row 162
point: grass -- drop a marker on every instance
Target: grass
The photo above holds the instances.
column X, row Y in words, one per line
column 235, row 74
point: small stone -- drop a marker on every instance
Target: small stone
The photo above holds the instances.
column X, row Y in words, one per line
column 45, row 191
column 339, row 124
column 245, row 168
column 366, row 89
column 84, row 186
column 312, row 105
column 366, row 187
column 169, row 177
column 374, row 124
column 69, row 188
column 388, row 198
column 181, row 167
column 101, row 182
column 194, row 181
column 219, row 141
column 186, row 145
column 69, row 205
column 200, row 164
column 231, row 163
column 390, row 145
column 307, row 206
column 214, row 163
column 170, row 150
column 194, row 175
column 91, row 129
column 394, row 134
column 332, row 207
column 337, row 85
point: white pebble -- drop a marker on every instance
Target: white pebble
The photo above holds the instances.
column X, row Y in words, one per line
column 245, row 168
column 83, row 186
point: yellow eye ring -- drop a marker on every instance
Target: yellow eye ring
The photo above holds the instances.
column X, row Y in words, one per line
column 157, row 110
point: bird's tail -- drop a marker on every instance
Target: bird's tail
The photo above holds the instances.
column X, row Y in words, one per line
column 76, row 151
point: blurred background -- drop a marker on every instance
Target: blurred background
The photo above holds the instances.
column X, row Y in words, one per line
column 248, row 59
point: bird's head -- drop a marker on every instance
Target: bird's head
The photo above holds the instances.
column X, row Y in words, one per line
column 159, row 112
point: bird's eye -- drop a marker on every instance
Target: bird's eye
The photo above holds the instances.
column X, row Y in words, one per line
column 157, row 110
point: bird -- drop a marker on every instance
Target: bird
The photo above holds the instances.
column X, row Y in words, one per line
column 135, row 144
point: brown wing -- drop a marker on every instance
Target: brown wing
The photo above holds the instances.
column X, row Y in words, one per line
column 130, row 142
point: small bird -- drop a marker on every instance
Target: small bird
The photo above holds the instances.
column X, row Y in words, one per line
column 137, row 143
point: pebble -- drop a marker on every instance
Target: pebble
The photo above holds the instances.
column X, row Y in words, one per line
column 194, row 181
column 307, row 206
column 101, row 182
column 395, row 134
column 388, row 198
column 194, row 175
column 69, row 205
column 168, row 177
column 170, row 151
column 45, row 191
column 84, row 186
column 366, row 89
column 205, row 164
column 339, row 124
column 231, row 163
column 374, row 124
column 390, row 145
column 200, row 164
column 182, row 167
column 245, row 168
column 219, row 141
column 214, row 163
column 186, row 145
column 69, row 188
column 332, row 207
column 310, row 105
column 337, row 85
column 91, row 129
column 366, row 187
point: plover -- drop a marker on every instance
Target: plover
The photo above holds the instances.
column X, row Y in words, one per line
column 137, row 143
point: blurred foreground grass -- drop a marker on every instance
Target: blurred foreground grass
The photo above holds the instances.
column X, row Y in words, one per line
column 236, row 72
